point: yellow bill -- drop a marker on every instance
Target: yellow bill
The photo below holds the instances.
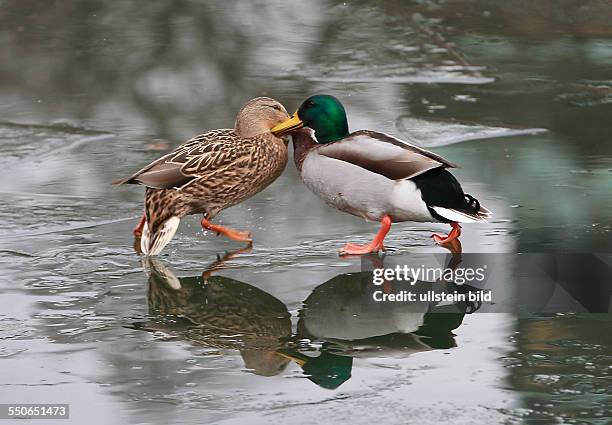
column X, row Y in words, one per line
column 287, row 126
column 298, row 360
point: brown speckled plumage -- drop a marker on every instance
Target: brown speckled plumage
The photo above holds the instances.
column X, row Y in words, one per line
column 217, row 169
column 219, row 312
column 226, row 169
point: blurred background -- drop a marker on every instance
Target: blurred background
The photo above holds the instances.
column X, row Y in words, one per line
column 519, row 93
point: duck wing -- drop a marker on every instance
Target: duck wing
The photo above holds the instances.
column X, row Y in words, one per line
column 206, row 152
column 384, row 154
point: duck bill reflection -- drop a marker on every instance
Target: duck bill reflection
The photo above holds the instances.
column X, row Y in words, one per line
column 260, row 325
column 288, row 126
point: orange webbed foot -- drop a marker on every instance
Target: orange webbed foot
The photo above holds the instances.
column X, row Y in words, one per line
column 442, row 239
column 376, row 245
column 357, row 249
column 237, row 235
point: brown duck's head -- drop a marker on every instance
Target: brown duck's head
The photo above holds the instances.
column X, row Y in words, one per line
column 264, row 362
column 259, row 116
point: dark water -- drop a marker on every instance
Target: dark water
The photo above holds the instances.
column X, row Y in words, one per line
column 519, row 93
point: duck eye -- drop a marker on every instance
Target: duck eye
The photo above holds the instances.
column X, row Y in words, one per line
column 276, row 107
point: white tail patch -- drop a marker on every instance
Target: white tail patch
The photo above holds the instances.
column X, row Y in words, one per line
column 461, row 217
column 154, row 266
column 152, row 244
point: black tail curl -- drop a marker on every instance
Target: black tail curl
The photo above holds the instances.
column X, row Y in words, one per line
column 472, row 204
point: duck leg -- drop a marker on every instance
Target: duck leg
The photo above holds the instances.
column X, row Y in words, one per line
column 376, row 245
column 444, row 239
column 138, row 229
column 234, row 234
column 218, row 265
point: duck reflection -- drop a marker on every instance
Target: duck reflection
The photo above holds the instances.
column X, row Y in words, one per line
column 338, row 322
column 220, row 312
column 342, row 310
column 343, row 315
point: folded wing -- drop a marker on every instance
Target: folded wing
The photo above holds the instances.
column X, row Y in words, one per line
column 384, row 154
column 204, row 153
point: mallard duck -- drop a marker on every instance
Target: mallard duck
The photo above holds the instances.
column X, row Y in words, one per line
column 219, row 312
column 343, row 321
column 209, row 173
column 374, row 175
column 343, row 311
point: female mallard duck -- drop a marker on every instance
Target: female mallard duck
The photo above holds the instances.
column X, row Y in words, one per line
column 219, row 312
column 209, row 173
column 374, row 175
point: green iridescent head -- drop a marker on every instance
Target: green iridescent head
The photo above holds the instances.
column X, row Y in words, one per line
column 323, row 113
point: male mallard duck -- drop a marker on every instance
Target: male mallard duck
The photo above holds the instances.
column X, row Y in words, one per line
column 209, row 173
column 343, row 311
column 375, row 175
